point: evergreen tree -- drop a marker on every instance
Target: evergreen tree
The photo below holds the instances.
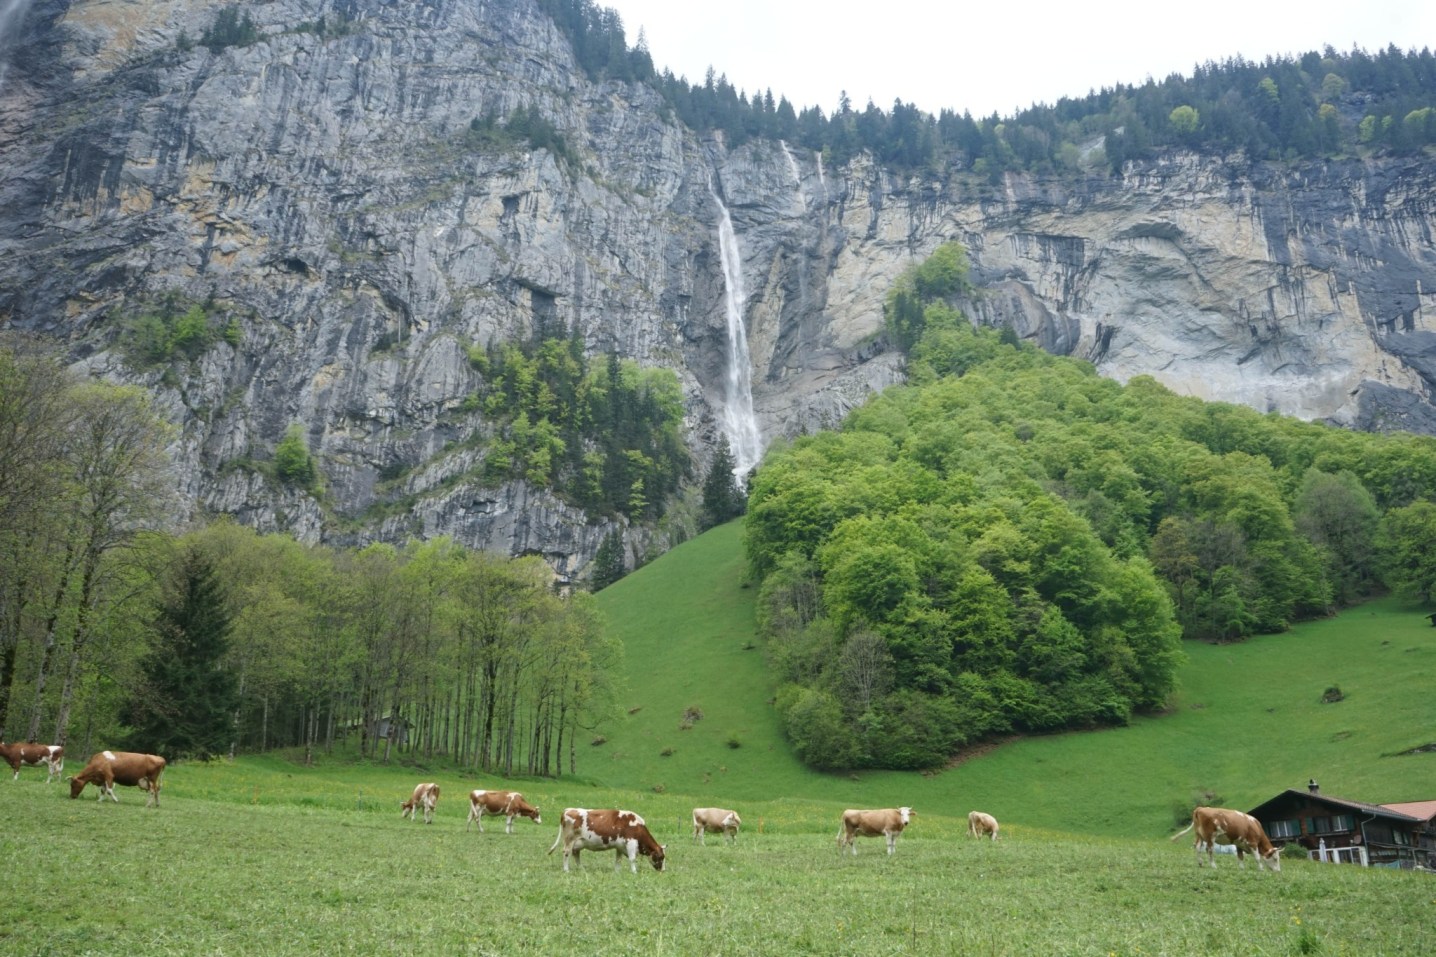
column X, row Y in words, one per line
column 608, row 563
column 722, row 498
column 185, row 704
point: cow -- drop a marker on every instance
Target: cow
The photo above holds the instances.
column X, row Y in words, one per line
column 1217, row 825
column 108, row 768
column 707, row 819
column 979, row 824
column 582, row 829
column 509, row 804
column 889, row 822
column 426, row 795
column 51, row 755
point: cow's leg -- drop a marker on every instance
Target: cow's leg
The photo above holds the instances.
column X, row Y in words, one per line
column 892, row 841
column 509, row 824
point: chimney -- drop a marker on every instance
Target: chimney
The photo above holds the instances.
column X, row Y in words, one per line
column 1313, row 787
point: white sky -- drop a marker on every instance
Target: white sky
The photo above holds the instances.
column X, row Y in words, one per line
column 988, row 56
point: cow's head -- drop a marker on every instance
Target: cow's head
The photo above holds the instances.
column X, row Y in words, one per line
column 658, row 857
column 1272, row 857
column 905, row 813
column 76, row 786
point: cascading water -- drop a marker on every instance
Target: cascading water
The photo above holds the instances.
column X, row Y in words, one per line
column 740, row 425
column 792, row 163
column 12, row 16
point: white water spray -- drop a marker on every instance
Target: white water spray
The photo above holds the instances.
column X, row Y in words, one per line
column 822, row 180
column 12, row 16
column 740, row 425
column 792, row 164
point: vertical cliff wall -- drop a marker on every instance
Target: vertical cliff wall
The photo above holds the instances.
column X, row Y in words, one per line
column 324, row 189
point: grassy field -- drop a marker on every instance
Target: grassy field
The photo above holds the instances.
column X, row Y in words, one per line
column 209, row 876
column 265, row 856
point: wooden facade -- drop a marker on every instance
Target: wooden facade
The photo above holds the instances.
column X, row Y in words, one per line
column 1335, row 829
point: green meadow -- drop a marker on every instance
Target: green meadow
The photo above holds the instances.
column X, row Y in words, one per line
column 266, row 856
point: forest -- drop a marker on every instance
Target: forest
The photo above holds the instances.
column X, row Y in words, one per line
column 1012, row 544
column 1323, row 104
column 119, row 630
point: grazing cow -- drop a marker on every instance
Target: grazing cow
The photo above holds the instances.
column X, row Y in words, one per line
column 108, row 768
column 425, row 797
column 889, row 822
column 707, row 819
column 979, row 824
column 1217, row 825
column 509, row 804
column 51, row 755
column 581, row 829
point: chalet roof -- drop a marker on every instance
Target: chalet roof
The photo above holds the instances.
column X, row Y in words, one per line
column 1423, row 810
column 1378, row 810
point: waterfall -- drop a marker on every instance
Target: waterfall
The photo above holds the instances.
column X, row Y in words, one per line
column 12, row 17
column 822, row 180
column 739, row 424
column 792, row 163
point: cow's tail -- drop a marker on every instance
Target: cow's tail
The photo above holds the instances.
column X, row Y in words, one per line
column 557, row 841
column 1181, row 832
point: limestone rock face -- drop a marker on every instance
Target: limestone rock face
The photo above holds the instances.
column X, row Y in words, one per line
column 325, row 188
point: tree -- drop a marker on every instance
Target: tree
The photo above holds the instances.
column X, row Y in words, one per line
column 608, row 566
column 722, row 497
column 1184, row 122
column 1338, row 515
column 185, row 705
column 1406, row 540
column 293, row 464
column 36, row 411
column 117, row 485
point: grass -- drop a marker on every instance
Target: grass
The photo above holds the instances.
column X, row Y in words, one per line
column 265, row 856
column 204, row 875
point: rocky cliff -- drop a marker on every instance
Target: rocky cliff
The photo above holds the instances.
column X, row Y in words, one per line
column 322, row 187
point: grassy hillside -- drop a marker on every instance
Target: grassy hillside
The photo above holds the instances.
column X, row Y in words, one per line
column 1247, row 722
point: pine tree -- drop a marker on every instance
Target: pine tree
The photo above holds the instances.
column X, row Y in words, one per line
column 722, row 498
column 608, row 563
column 185, row 703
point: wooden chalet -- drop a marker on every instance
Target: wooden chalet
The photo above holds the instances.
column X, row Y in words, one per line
column 1341, row 831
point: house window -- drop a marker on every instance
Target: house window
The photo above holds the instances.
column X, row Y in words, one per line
column 1320, row 825
column 1343, row 822
column 1400, row 837
column 1280, row 829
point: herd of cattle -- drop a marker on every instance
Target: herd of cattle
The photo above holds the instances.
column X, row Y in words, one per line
column 623, row 832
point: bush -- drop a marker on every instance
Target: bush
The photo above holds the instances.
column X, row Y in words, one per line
column 293, row 465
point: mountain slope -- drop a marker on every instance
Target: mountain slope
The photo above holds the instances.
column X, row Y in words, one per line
column 332, row 201
column 1247, row 722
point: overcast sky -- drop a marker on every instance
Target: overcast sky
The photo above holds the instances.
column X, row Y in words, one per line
column 988, row 56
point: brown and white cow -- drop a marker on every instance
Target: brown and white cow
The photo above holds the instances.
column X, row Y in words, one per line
column 1218, row 825
column 889, row 822
column 979, row 824
column 715, row 819
column 108, row 768
column 582, row 829
column 425, row 797
column 506, row 804
column 50, row 755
